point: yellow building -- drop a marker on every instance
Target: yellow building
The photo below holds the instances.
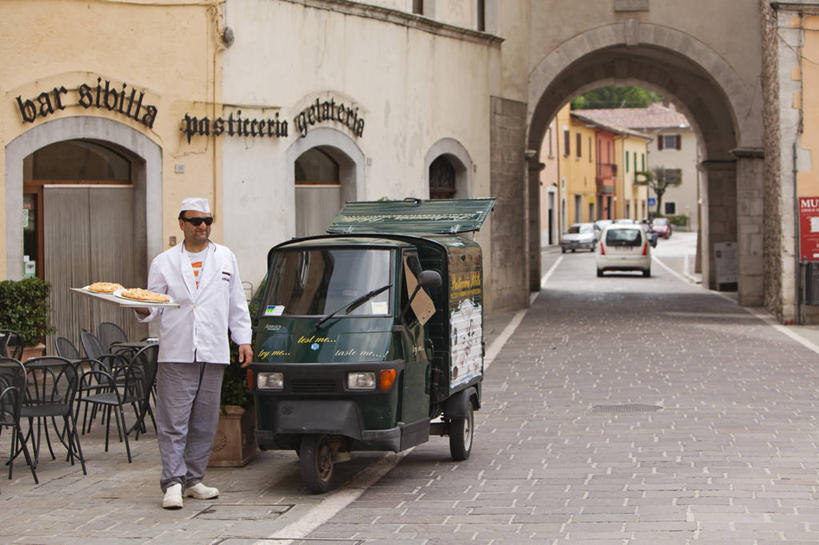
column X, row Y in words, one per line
column 577, row 167
column 95, row 97
column 631, row 149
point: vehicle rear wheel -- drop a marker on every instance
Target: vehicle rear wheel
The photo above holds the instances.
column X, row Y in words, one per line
column 460, row 434
column 316, row 462
column 563, row 250
column 647, row 273
column 599, row 272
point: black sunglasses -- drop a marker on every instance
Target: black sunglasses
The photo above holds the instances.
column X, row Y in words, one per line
column 196, row 222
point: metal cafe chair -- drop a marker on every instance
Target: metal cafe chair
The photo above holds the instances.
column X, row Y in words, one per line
column 11, row 344
column 66, row 349
column 129, row 385
column 109, row 334
column 50, row 390
column 12, row 390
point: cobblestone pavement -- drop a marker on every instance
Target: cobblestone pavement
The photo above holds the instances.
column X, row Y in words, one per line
column 623, row 410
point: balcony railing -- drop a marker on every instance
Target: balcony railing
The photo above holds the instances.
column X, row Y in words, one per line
column 606, row 170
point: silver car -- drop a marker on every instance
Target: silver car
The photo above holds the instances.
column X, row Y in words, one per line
column 580, row 236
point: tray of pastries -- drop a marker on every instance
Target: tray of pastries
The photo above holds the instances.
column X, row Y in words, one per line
column 116, row 293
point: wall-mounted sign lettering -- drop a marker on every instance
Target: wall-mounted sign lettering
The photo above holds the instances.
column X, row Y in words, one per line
column 329, row 111
column 120, row 99
column 235, row 126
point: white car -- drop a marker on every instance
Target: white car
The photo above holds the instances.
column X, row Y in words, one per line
column 579, row 236
column 623, row 247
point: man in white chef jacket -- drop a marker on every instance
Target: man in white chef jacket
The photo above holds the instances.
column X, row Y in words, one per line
column 203, row 278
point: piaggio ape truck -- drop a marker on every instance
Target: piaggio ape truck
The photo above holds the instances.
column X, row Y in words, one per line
column 371, row 337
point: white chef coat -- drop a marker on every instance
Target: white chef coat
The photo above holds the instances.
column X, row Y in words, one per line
column 198, row 329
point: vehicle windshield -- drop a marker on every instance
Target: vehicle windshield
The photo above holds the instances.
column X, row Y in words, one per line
column 584, row 228
column 624, row 237
column 318, row 281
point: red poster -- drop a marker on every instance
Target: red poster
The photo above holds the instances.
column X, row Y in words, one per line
column 809, row 228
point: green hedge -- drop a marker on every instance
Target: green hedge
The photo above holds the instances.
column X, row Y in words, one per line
column 680, row 220
column 24, row 308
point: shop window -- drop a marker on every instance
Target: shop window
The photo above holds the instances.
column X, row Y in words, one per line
column 314, row 167
column 670, row 208
column 441, row 179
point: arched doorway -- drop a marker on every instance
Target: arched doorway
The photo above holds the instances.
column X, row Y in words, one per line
column 318, row 191
column 442, row 179
column 327, row 171
column 709, row 94
column 83, row 198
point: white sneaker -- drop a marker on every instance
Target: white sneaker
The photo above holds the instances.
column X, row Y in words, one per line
column 173, row 497
column 202, row 492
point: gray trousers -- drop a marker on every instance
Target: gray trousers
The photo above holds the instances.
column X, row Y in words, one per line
column 187, row 414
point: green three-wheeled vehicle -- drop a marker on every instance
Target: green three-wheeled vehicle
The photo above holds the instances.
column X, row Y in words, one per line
column 370, row 337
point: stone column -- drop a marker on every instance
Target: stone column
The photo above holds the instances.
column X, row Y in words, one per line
column 533, row 178
column 508, row 287
column 719, row 222
column 750, row 228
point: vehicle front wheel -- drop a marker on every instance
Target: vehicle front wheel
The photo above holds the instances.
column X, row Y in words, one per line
column 316, row 462
column 647, row 273
column 460, row 435
column 563, row 250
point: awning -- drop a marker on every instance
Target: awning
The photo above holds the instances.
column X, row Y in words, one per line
column 412, row 216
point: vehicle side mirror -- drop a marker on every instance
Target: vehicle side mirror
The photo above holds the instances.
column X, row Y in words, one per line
column 430, row 279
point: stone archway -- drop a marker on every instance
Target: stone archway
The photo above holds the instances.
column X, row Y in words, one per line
column 711, row 95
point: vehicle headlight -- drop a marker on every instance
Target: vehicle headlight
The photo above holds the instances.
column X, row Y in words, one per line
column 270, row 380
column 361, row 380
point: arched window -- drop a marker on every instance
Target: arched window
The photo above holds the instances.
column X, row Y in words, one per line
column 441, row 179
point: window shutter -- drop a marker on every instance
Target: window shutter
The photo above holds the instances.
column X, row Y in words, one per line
column 679, row 141
column 660, row 141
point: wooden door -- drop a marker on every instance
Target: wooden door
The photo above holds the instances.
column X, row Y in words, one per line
column 88, row 236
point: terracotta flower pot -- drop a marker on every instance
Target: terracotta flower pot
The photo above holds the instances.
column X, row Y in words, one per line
column 234, row 444
column 33, row 351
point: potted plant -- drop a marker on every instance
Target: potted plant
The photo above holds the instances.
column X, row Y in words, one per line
column 234, row 444
column 24, row 309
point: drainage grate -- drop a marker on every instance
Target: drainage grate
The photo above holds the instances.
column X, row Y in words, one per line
column 628, row 408
column 243, row 511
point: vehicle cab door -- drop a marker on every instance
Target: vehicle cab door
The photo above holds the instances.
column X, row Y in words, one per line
column 415, row 386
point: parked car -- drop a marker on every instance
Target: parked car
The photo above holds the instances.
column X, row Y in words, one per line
column 625, row 221
column 662, row 227
column 602, row 224
column 579, row 236
column 623, row 248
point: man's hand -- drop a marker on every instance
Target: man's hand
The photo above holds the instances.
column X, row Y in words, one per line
column 142, row 311
column 245, row 354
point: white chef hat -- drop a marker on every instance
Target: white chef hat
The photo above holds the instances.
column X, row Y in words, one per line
column 197, row 204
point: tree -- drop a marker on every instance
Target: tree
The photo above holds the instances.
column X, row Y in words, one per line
column 615, row 97
column 659, row 180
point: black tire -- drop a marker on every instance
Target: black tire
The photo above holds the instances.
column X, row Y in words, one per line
column 647, row 273
column 461, row 434
column 316, row 463
column 599, row 273
column 573, row 250
column 563, row 250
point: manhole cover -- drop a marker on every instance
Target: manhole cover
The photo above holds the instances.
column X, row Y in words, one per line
column 628, row 408
column 243, row 511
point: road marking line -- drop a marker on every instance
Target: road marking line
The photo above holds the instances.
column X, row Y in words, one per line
column 337, row 500
column 769, row 320
column 669, row 269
